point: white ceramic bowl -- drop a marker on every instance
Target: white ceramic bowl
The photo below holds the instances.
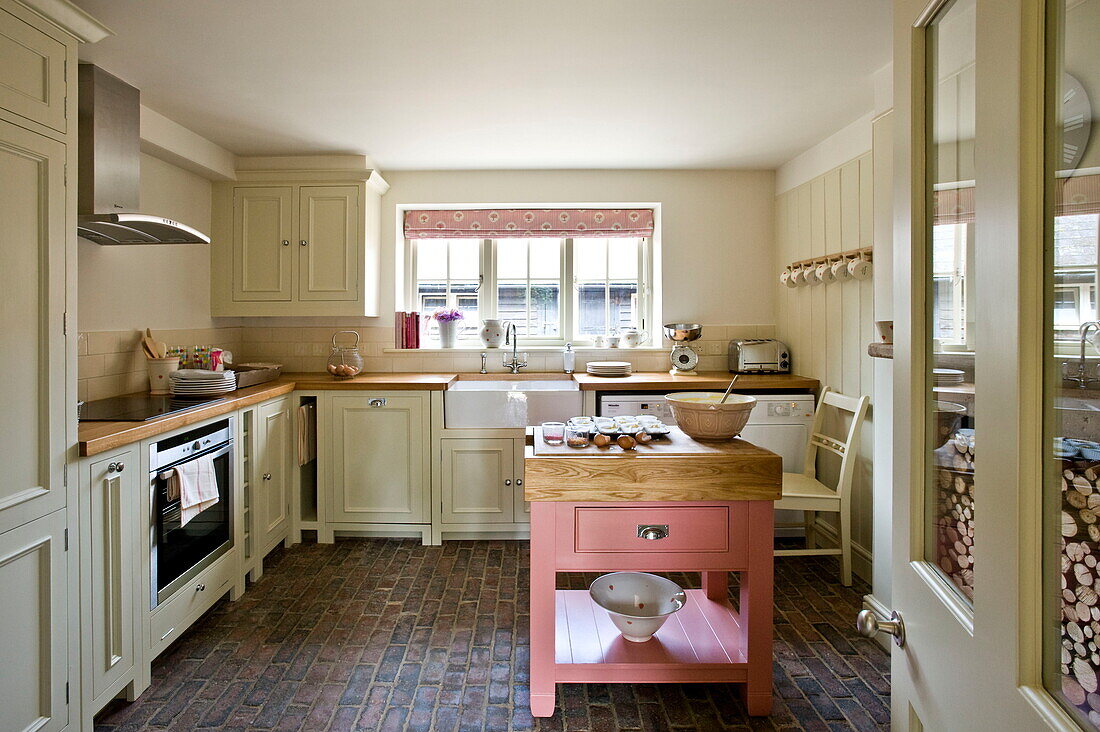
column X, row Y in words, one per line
column 703, row 416
column 638, row 603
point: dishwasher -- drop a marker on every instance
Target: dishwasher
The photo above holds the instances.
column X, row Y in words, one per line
column 779, row 422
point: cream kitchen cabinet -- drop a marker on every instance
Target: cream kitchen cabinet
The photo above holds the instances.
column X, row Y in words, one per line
column 296, row 243
column 109, row 586
column 33, row 68
column 34, row 605
column 521, row 508
column 478, row 480
column 376, row 467
column 272, row 473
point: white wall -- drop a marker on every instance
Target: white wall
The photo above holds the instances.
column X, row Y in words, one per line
column 717, row 226
column 828, row 327
column 157, row 286
column 845, row 144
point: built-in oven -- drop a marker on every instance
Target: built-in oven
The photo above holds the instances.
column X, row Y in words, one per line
column 179, row 552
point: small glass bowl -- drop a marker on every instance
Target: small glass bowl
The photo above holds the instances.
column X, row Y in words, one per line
column 576, row 436
column 553, row 433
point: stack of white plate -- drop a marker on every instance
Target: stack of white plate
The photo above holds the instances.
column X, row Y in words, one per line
column 196, row 383
column 609, row 368
column 947, row 377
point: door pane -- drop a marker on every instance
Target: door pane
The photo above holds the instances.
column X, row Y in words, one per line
column 1072, row 393
column 950, row 389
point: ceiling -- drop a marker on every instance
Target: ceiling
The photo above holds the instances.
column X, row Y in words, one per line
column 486, row 84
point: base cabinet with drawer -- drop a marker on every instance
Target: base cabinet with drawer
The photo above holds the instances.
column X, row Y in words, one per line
column 109, row 551
column 377, row 465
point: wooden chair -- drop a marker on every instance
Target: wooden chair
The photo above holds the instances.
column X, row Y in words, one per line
column 804, row 492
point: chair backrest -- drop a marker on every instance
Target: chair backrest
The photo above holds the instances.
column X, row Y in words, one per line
column 846, row 448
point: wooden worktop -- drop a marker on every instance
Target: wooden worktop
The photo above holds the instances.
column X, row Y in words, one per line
column 97, row 437
column 676, row 468
column 656, row 380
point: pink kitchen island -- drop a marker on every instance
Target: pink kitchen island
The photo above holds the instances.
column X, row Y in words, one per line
column 672, row 505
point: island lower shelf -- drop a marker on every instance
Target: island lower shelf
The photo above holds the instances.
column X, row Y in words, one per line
column 702, row 642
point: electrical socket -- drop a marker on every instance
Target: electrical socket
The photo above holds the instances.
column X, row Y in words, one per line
column 714, row 348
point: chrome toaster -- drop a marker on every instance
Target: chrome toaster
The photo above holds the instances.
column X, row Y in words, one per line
column 759, row 356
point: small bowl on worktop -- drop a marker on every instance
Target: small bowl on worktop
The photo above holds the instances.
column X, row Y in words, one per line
column 638, row 603
column 703, row 416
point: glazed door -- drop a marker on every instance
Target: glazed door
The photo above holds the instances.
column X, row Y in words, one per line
column 972, row 323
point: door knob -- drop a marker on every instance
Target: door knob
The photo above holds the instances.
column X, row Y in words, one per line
column 286, row 242
column 116, row 467
column 303, row 242
column 508, row 481
column 267, row 476
column 868, row 624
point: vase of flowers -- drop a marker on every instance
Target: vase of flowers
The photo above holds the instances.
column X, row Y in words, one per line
column 447, row 320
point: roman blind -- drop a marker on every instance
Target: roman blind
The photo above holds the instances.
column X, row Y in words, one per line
column 501, row 223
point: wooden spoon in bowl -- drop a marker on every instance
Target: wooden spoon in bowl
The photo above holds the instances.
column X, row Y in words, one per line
column 729, row 388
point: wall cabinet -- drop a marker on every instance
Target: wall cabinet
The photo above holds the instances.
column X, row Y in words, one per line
column 378, row 457
column 478, row 480
column 109, row 550
column 32, row 69
column 296, row 243
column 34, row 606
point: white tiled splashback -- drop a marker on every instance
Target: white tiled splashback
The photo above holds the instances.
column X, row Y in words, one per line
column 111, row 362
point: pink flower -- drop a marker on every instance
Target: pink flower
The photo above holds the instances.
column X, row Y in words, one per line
column 446, row 315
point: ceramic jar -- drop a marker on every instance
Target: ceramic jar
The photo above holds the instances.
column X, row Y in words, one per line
column 448, row 333
column 492, row 332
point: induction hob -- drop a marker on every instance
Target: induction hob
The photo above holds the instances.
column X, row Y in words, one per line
column 137, row 408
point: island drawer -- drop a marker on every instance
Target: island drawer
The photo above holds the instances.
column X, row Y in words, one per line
column 697, row 529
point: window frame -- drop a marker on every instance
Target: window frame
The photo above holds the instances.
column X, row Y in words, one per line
column 487, row 293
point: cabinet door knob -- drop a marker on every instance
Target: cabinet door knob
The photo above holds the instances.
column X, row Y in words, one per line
column 519, row 481
column 508, row 482
column 267, row 476
column 377, row 402
column 286, row 242
column 303, row 243
column 652, row 532
column 200, row 587
column 116, row 467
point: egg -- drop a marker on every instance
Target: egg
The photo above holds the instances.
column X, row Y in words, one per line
column 626, row 442
column 643, row 437
column 332, row 368
column 602, row 440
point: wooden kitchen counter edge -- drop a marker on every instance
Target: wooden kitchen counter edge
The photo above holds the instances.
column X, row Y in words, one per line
column 98, row 437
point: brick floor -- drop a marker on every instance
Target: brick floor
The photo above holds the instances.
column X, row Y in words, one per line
column 386, row 634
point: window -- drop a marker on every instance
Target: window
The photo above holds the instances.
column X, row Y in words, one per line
column 553, row 289
column 949, row 257
column 1074, row 295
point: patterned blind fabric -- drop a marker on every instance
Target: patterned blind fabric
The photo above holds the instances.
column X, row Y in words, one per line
column 953, row 206
column 1077, row 195
column 528, row 222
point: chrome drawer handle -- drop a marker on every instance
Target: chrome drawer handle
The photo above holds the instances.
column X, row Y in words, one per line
column 116, row 467
column 652, row 532
column 377, row 402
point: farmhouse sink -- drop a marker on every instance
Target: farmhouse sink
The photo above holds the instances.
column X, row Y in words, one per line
column 510, row 402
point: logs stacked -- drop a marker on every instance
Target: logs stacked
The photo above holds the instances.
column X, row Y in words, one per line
column 1080, row 655
column 954, row 511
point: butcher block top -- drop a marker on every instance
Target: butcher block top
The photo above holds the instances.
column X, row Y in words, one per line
column 97, row 437
column 676, row 468
column 663, row 380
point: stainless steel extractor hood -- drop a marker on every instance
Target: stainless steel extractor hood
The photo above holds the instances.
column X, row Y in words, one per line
column 109, row 198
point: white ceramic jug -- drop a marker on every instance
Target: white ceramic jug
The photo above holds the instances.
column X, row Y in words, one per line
column 492, row 332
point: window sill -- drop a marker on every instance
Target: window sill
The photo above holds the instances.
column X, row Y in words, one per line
column 527, row 349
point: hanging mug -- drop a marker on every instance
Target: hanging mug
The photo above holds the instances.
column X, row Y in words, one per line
column 786, row 277
column 860, row 269
column 840, row 270
column 811, row 275
column 825, row 273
